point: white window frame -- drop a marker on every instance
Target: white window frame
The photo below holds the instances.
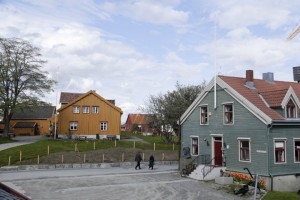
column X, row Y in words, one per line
column 95, row 109
column 294, row 149
column 204, row 106
column 274, row 149
column 76, row 109
column 239, row 149
column 85, row 109
column 287, row 110
column 192, row 146
column 224, row 118
column 73, row 126
column 103, row 126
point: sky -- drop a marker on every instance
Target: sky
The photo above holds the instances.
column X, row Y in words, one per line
column 128, row 50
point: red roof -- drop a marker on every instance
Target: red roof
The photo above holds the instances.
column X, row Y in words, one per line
column 138, row 118
column 265, row 94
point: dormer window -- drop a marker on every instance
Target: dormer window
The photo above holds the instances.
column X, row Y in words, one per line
column 291, row 109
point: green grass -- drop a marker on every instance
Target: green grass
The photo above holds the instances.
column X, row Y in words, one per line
column 40, row 148
column 5, row 140
column 282, row 196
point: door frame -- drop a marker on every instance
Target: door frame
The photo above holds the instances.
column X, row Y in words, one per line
column 213, row 139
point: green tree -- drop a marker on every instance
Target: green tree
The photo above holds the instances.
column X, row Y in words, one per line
column 22, row 82
column 166, row 109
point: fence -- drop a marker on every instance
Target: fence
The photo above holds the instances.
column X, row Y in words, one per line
column 95, row 154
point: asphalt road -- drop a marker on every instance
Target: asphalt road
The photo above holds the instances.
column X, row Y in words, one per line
column 112, row 183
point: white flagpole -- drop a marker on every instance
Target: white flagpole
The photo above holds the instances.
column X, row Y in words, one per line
column 215, row 63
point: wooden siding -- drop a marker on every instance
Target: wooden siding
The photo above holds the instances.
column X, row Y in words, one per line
column 43, row 125
column 89, row 123
column 24, row 131
column 245, row 125
column 289, row 133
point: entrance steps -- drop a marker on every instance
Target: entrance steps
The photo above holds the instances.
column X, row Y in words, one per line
column 198, row 173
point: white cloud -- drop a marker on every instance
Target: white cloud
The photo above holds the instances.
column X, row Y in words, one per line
column 155, row 12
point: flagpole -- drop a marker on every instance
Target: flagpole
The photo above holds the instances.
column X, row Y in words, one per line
column 215, row 63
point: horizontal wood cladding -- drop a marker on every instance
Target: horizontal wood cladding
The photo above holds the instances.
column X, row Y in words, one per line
column 43, row 125
column 89, row 123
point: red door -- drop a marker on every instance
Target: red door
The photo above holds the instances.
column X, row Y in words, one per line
column 218, row 153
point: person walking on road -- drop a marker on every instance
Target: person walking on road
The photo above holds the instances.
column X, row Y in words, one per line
column 151, row 162
column 138, row 159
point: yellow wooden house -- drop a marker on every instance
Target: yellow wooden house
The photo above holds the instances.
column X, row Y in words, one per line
column 88, row 115
column 38, row 120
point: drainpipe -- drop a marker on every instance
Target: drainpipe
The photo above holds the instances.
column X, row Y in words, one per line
column 268, row 153
column 271, row 182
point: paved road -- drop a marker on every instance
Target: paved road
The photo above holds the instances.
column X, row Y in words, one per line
column 112, row 183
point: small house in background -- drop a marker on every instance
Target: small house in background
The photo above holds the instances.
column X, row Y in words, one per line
column 88, row 115
column 37, row 120
column 139, row 123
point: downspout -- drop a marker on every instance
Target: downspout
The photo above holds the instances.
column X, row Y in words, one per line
column 268, row 147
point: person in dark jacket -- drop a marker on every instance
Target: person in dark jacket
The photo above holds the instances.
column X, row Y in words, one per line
column 151, row 162
column 138, row 159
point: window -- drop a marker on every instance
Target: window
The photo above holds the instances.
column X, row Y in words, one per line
column 85, row 109
column 297, row 150
column 228, row 114
column 76, row 109
column 291, row 110
column 244, row 150
column 95, row 109
column 203, row 115
column 103, row 126
column 73, row 126
column 279, row 150
column 195, row 141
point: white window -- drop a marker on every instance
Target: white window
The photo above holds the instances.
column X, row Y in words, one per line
column 228, row 113
column 291, row 109
column 244, row 145
column 203, row 115
column 195, row 146
column 103, row 126
column 280, row 151
column 297, row 150
column 76, row 109
column 73, row 126
column 95, row 109
column 85, row 109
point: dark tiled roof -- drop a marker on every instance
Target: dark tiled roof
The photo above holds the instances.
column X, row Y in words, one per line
column 66, row 97
column 39, row 112
column 81, row 96
column 25, row 125
column 270, row 92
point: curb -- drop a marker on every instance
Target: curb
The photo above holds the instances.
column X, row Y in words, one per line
column 79, row 166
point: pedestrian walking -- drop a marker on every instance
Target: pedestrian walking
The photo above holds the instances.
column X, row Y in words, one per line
column 138, row 159
column 151, row 162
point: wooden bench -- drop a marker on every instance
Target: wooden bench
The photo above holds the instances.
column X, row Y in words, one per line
column 111, row 137
column 82, row 137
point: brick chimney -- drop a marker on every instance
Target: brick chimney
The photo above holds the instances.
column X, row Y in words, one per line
column 249, row 79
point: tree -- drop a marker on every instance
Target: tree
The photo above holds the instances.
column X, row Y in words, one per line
column 22, row 82
column 166, row 109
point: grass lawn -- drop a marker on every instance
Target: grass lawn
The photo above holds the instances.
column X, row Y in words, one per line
column 5, row 140
column 282, row 196
column 40, row 148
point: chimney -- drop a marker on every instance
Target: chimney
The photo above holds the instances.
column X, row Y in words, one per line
column 269, row 76
column 249, row 79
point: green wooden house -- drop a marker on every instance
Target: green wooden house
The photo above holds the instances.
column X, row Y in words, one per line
column 242, row 122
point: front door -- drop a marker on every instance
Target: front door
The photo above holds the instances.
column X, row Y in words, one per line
column 218, row 152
